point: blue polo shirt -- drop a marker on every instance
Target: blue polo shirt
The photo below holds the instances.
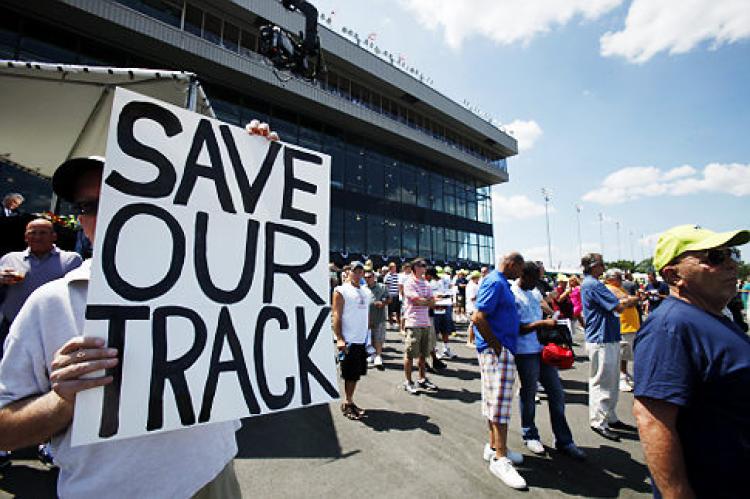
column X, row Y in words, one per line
column 599, row 303
column 701, row 363
column 495, row 299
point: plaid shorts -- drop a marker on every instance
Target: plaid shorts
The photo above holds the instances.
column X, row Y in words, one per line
column 498, row 374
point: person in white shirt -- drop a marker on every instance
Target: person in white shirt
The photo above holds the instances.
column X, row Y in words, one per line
column 351, row 307
column 472, row 288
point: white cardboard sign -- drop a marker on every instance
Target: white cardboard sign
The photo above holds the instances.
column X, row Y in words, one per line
column 209, row 275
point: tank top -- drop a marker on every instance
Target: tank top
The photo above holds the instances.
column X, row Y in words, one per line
column 354, row 317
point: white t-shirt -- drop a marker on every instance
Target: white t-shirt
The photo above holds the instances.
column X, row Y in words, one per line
column 354, row 316
column 170, row 464
column 472, row 288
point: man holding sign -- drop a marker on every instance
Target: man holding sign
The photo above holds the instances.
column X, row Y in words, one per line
column 50, row 367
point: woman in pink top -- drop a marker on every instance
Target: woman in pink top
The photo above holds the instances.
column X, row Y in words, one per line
column 575, row 298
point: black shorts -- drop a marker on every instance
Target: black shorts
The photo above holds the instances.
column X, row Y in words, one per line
column 354, row 364
column 443, row 323
column 394, row 307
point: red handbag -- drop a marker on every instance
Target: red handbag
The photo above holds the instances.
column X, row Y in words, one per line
column 557, row 355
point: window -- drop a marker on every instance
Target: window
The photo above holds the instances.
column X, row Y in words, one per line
column 436, row 191
column 423, row 188
column 438, row 243
column 165, row 11
column 451, row 244
column 392, row 184
column 375, row 175
column 375, row 235
column 354, row 231
column 355, row 179
column 193, row 20
column 449, row 195
column 410, row 234
column 408, row 184
column 424, row 242
column 247, row 44
column 337, row 229
column 336, row 149
column 392, row 237
column 231, row 38
column 212, row 28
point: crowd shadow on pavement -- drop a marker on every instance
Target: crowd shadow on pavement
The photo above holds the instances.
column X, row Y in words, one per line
column 462, row 395
column 608, row 471
column 21, row 481
column 385, row 420
column 300, row 433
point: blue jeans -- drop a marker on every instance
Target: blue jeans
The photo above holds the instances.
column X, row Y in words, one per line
column 530, row 370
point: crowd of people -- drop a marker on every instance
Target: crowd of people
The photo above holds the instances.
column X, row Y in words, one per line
column 672, row 339
column 675, row 340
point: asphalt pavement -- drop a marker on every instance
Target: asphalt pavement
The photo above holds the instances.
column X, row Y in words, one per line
column 426, row 445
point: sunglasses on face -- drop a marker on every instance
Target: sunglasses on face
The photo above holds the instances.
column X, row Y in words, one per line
column 86, row 207
column 718, row 256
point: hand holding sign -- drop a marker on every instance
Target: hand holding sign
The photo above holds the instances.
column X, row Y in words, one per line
column 207, row 274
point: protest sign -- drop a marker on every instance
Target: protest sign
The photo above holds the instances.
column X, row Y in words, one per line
column 209, row 275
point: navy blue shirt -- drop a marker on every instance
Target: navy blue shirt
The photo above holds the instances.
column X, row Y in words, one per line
column 701, row 363
column 654, row 300
column 495, row 299
column 599, row 303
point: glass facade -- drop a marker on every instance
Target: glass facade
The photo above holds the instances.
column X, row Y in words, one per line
column 385, row 203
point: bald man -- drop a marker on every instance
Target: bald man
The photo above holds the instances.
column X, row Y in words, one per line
column 21, row 272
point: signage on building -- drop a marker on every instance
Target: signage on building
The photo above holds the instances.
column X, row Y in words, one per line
column 209, row 275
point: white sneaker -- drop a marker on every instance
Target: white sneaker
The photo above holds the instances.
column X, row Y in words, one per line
column 535, row 446
column 370, row 359
column 410, row 387
column 504, row 470
column 448, row 353
column 624, row 386
column 378, row 362
column 440, row 355
column 489, row 453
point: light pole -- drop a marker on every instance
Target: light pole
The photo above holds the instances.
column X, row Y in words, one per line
column 619, row 250
column 630, row 240
column 546, row 193
column 601, row 233
column 580, row 244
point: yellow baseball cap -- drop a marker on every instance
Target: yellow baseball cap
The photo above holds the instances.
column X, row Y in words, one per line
column 683, row 238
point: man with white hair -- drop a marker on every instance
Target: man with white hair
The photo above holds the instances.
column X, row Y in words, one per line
column 602, row 332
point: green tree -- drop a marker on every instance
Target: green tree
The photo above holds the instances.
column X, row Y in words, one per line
column 743, row 270
column 627, row 265
column 645, row 265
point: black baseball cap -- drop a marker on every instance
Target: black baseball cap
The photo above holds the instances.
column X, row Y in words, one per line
column 67, row 174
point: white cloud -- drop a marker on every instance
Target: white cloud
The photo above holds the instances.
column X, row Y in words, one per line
column 502, row 21
column 676, row 27
column 525, row 132
column 636, row 182
column 515, row 208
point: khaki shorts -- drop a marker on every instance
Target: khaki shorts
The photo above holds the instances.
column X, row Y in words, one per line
column 626, row 346
column 419, row 341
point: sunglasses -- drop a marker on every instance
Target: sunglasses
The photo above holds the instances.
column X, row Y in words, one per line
column 86, row 207
column 717, row 256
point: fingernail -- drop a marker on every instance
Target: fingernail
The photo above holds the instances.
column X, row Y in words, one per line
column 99, row 342
column 112, row 351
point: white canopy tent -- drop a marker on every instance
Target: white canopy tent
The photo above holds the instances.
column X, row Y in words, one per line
column 52, row 112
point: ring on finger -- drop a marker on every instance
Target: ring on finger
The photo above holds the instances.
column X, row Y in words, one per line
column 80, row 354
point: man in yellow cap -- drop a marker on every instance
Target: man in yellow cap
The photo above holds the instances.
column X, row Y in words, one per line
column 692, row 370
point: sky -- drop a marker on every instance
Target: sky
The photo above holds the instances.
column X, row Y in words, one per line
column 633, row 114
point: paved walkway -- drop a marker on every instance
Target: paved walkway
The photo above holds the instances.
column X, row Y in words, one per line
column 429, row 445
